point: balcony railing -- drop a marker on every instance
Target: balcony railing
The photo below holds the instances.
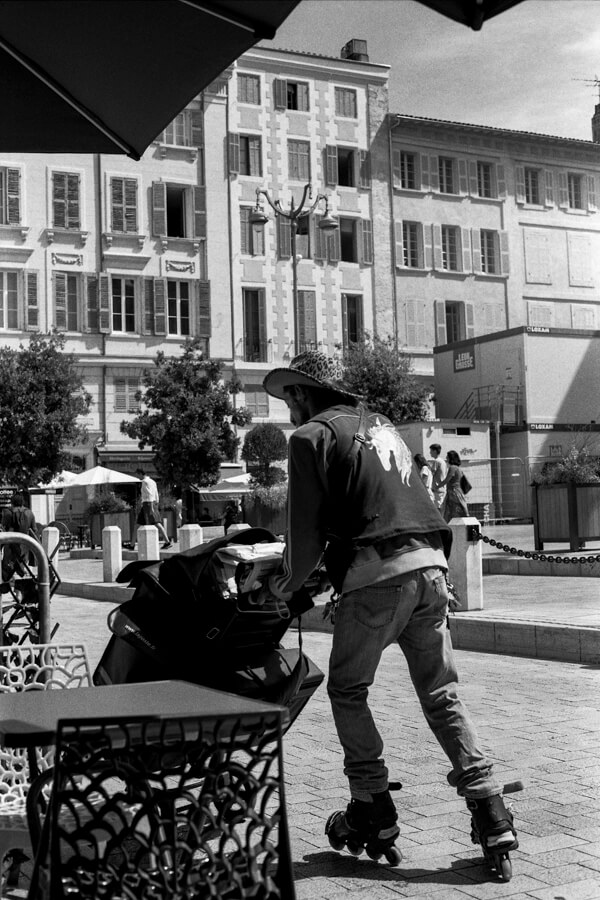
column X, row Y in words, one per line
column 250, row 350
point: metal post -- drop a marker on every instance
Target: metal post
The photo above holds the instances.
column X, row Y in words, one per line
column 43, row 577
column 293, row 231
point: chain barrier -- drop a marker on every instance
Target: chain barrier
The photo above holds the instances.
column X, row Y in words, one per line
column 527, row 554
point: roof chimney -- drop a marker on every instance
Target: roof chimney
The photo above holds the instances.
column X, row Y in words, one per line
column 596, row 125
column 355, row 49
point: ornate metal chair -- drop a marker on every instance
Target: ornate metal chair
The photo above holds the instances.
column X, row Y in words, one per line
column 167, row 808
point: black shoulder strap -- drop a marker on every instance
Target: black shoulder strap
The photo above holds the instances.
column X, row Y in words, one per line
column 359, row 437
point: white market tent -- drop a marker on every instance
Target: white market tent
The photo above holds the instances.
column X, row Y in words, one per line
column 228, row 489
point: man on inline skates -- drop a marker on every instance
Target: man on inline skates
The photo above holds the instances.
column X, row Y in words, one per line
column 354, row 494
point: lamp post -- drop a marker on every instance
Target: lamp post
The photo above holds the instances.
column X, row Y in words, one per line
column 258, row 219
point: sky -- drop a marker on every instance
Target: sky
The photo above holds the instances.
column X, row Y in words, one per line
column 526, row 69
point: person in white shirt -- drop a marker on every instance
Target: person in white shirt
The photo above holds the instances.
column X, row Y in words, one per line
column 425, row 473
column 149, row 513
column 440, row 470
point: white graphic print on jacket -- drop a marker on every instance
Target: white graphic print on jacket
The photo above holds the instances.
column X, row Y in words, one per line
column 390, row 448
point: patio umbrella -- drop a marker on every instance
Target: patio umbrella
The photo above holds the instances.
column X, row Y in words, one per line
column 227, row 489
column 107, row 76
column 62, row 480
column 470, row 12
column 101, row 475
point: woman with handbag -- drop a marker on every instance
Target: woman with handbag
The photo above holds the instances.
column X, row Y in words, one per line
column 456, row 482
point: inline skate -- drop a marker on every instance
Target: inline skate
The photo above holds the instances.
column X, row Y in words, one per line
column 492, row 827
column 366, row 826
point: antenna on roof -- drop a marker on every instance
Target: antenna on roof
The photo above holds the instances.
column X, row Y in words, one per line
column 593, row 82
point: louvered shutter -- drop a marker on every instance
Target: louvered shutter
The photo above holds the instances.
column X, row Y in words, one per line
column 199, row 199
column 504, row 258
column 234, row 153
column 117, row 204
column 440, row 322
column 437, row 246
column 160, row 306
column 204, row 316
column 397, row 168
column 500, row 182
column 334, row 250
column 473, row 182
column 563, row 190
column 245, row 238
column 59, row 200
column 319, row 240
column 425, row 180
column 159, row 208
column 549, row 184
column 399, row 242
column 13, row 196
column 32, row 318
column 148, row 311
column 73, row 214
column 60, row 300
column 366, row 241
column 434, row 172
column 280, row 93
column 331, row 165
column 476, row 249
column 360, row 324
column 520, row 184
column 591, row 193
column 196, row 127
column 91, row 300
column 465, row 243
column 303, row 97
column 307, row 320
column 345, row 336
column 120, row 395
column 411, row 323
column 284, row 237
column 104, row 305
column 428, row 245
column 463, row 181
column 130, row 201
column 469, row 321
column 262, row 325
column 364, row 169
column 255, row 155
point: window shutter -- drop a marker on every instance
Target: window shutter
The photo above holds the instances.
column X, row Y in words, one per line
column 476, row 249
column 199, row 197
column 396, row 168
column 120, row 395
column 345, row 340
column 59, row 200
column 13, row 196
column 334, row 250
column 411, row 323
column 440, row 322
column 500, row 182
column 469, row 321
column 434, row 172
column 262, row 324
column 319, row 240
column 307, row 319
column 520, row 184
column 591, row 193
column 91, row 298
column 73, row 216
column 159, row 208
column 204, row 318
column 331, row 165
column 32, row 321
column 504, row 258
column 463, row 181
column 104, row 305
column 117, row 204
column 465, row 243
column 428, row 246
column 425, row 181
column 245, row 241
column 549, row 201
column 148, row 311
column 196, row 128
column 563, row 190
column 130, row 190
column 280, row 93
column 473, row 183
column 364, row 169
column 255, row 155
column 284, row 237
column 367, row 241
column 303, row 97
column 360, row 324
column 60, row 300
column 160, row 306
column 437, row 246
column 399, row 241
column 234, row 153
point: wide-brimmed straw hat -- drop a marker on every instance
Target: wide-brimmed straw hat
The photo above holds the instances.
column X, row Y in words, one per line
column 312, row 369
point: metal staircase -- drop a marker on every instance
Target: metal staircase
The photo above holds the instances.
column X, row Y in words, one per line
column 493, row 403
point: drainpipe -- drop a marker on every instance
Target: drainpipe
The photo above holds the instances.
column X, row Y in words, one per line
column 98, row 191
column 393, row 234
column 230, row 240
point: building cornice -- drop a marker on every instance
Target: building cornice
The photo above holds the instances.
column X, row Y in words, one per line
column 314, row 64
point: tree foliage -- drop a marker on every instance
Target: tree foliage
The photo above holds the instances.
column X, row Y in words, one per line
column 188, row 417
column 264, row 445
column 41, row 397
column 383, row 376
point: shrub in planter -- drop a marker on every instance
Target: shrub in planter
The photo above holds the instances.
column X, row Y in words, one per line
column 577, row 467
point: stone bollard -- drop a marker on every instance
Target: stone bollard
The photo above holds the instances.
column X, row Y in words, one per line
column 189, row 536
column 148, row 543
column 112, row 555
column 465, row 568
column 50, row 541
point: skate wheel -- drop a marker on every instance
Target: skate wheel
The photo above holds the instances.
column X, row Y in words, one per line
column 336, row 843
column 504, row 867
column 393, row 856
column 354, row 849
column 374, row 854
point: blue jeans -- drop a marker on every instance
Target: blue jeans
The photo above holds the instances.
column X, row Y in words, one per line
column 410, row 609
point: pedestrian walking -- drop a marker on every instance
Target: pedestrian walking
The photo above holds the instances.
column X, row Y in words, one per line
column 455, row 504
column 425, row 473
column 19, row 518
column 231, row 515
column 439, row 470
column 355, row 495
column 149, row 513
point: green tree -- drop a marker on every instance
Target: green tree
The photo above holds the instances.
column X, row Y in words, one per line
column 188, row 417
column 264, row 445
column 383, row 376
column 41, row 397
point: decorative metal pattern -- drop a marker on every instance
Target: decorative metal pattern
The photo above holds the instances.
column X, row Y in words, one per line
column 176, row 808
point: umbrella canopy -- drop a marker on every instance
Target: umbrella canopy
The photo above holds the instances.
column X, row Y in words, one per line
column 102, row 475
column 470, row 12
column 107, row 76
column 62, row 480
column 227, row 489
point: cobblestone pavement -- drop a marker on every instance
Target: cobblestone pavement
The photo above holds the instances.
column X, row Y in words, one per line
column 540, row 721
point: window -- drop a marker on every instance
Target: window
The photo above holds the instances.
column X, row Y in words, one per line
column 65, row 200
column 291, row 95
column 450, row 248
column 249, row 89
column 299, row 160
column 352, row 319
column 255, row 328
column 9, row 301
column 176, row 132
column 178, row 211
column 408, row 171
column 123, row 304
column 178, row 307
column 256, row 400
column 306, row 336
column 186, row 130
column 252, row 239
column 412, row 245
column 485, row 184
column 346, row 167
column 125, row 391
column 345, row 103
column 250, row 155
column 66, row 301
column 489, row 252
column 10, row 200
column 532, row 187
column 446, row 173
column 123, row 199
column 454, row 322
column 348, row 235
column 574, row 188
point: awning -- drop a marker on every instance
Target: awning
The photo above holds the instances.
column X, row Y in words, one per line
column 470, row 12
column 229, row 489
